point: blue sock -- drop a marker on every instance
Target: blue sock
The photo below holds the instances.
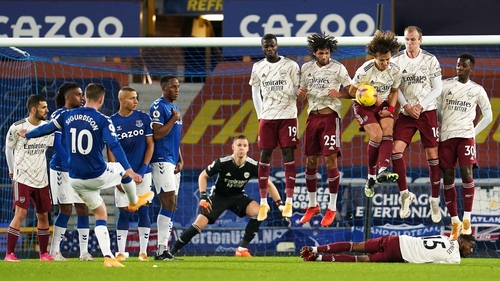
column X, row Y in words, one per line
column 101, row 222
column 82, row 222
column 144, row 220
column 166, row 213
column 123, row 220
column 62, row 220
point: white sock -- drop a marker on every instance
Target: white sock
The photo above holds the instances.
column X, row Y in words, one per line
column 467, row 215
column 56, row 239
column 102, row 234
column 289, row 200
column 83, row 239
column 312, row 199
column 372, row 177
column 242, row 248
column 143, row 239
column 333, row 202
column 263, row 201
column 315, row 249
column 169, row 232
column 382, row 169
column 455, row 219
column 163, row 226
column 121, row 239
column 131, row 191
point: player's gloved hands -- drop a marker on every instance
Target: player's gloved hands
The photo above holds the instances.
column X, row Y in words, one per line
column 280, row 204
column 142, row 169
column 205, row 203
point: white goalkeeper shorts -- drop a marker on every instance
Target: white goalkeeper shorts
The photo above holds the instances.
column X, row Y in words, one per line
column 90, row 189
column 121, row 199
column 164, row 178
column 62, row 192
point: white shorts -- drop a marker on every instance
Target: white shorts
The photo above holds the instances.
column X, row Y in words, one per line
column 90, row 189
column 121, row 199
column 62, row 192
column 164, row 178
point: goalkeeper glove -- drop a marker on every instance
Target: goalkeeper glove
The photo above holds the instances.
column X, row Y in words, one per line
column 280, row 204
column 205, row 203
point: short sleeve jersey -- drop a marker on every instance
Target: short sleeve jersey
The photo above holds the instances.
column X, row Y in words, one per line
column 458, row 103
column 132, row 131
column 166, row 149
column 277, row 81
column 432, row 249
column 86, row 131
column 30, row 162
column 231, row 179
column 382, row 81
column 319, row 80
column 417, row 74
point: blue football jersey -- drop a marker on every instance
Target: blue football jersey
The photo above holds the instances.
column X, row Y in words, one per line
column 166, row 149
column 132, row 132
column 86, row 130
column 56, row 162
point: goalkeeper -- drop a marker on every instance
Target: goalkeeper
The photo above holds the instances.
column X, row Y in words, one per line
column 233, row 173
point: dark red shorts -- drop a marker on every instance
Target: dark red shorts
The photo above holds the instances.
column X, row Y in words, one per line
column 323, row 134
column 384, row 249
column 282, row 132
column 369, row 114
column 457, row 149
column 426, row 124
column 40, row 196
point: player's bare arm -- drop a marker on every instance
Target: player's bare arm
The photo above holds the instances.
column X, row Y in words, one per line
column 180, row 163
column 22, row 132
column 160, row 131
column 301, row 93
column 392, row 99
column 344, row 94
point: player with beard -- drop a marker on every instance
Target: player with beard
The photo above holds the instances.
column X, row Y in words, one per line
column 69, row 96
column 320, row 83
column 28, row 171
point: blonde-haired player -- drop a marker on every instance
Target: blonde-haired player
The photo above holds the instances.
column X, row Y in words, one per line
column 420, row 87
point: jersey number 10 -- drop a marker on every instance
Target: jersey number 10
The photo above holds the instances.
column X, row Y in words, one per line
column 77, row 141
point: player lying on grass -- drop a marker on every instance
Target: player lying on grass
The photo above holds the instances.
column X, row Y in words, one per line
column 233, row 173
column 404, row 248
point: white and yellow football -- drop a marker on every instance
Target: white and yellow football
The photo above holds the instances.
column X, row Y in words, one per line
column 366, row 95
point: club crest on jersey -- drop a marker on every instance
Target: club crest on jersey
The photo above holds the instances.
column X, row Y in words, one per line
column 424, row 69
column 470, row 95
column 138, row 123
column 246, row 175
column 282, row 73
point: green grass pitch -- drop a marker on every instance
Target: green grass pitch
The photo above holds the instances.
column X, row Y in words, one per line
column 256, row 268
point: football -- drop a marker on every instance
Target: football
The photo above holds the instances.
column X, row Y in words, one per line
column 366, row 95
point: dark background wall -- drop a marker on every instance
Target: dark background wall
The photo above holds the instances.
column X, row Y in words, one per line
column 448, row 17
